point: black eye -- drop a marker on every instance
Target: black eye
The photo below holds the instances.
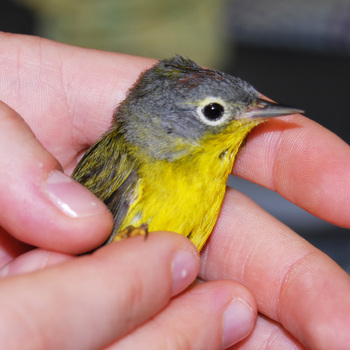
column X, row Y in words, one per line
column 213, row 111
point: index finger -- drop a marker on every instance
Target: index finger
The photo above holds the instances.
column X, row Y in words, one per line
column 293, row 282
column 304, row 162
column 58, row 86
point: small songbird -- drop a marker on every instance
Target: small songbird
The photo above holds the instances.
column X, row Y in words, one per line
column 165, row 160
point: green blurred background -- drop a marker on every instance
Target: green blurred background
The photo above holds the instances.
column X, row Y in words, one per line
column 295, row 52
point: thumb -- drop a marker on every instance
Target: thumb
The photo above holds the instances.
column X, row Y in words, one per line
column 39, row 204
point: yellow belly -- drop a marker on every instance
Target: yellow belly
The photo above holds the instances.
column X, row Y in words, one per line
column 183, row 208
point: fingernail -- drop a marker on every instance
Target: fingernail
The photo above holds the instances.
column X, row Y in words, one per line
column 185, row 269
column 28, row 262
column 72, row 198
column 239, row 321
column 33, row 260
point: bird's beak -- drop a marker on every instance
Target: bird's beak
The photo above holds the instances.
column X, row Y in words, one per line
column 264, row 109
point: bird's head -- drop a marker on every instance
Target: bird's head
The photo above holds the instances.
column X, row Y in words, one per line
column 176, row 106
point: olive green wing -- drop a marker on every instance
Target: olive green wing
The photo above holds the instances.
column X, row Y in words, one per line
column 119, row 202
column 109, row 172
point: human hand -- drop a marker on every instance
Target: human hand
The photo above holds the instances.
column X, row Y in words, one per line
column 297, row 287
column 114, row 296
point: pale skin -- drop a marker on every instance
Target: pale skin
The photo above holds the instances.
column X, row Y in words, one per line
column 126, row 295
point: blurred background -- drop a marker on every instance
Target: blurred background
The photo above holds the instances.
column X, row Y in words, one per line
column 295, row 52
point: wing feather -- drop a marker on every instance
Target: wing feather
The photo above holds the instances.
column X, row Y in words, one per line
column 109, row 172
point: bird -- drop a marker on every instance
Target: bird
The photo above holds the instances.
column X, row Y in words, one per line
column 164, row 162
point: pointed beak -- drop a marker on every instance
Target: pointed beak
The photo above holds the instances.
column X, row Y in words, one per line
column 263, row 109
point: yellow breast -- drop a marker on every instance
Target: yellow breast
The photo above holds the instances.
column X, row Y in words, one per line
column 185, row 195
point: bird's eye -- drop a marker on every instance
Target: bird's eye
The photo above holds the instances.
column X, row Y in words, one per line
column 213, row 111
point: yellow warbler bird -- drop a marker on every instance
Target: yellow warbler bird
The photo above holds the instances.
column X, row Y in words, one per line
column 166, row 158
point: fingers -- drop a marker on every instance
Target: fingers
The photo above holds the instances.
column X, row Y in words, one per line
column 212, row 315
column 268, row 335
column 294, row 283
column 33, row 260
column 10, row 247
column 39, row 204
column 92, row 301
column 304, row 162
column 79, row 90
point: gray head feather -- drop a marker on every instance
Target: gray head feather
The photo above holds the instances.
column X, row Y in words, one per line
column 162, row 105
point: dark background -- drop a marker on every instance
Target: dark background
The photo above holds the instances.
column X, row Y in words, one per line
column 303, row 67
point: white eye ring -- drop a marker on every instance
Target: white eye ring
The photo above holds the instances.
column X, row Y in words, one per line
column 213, row 111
